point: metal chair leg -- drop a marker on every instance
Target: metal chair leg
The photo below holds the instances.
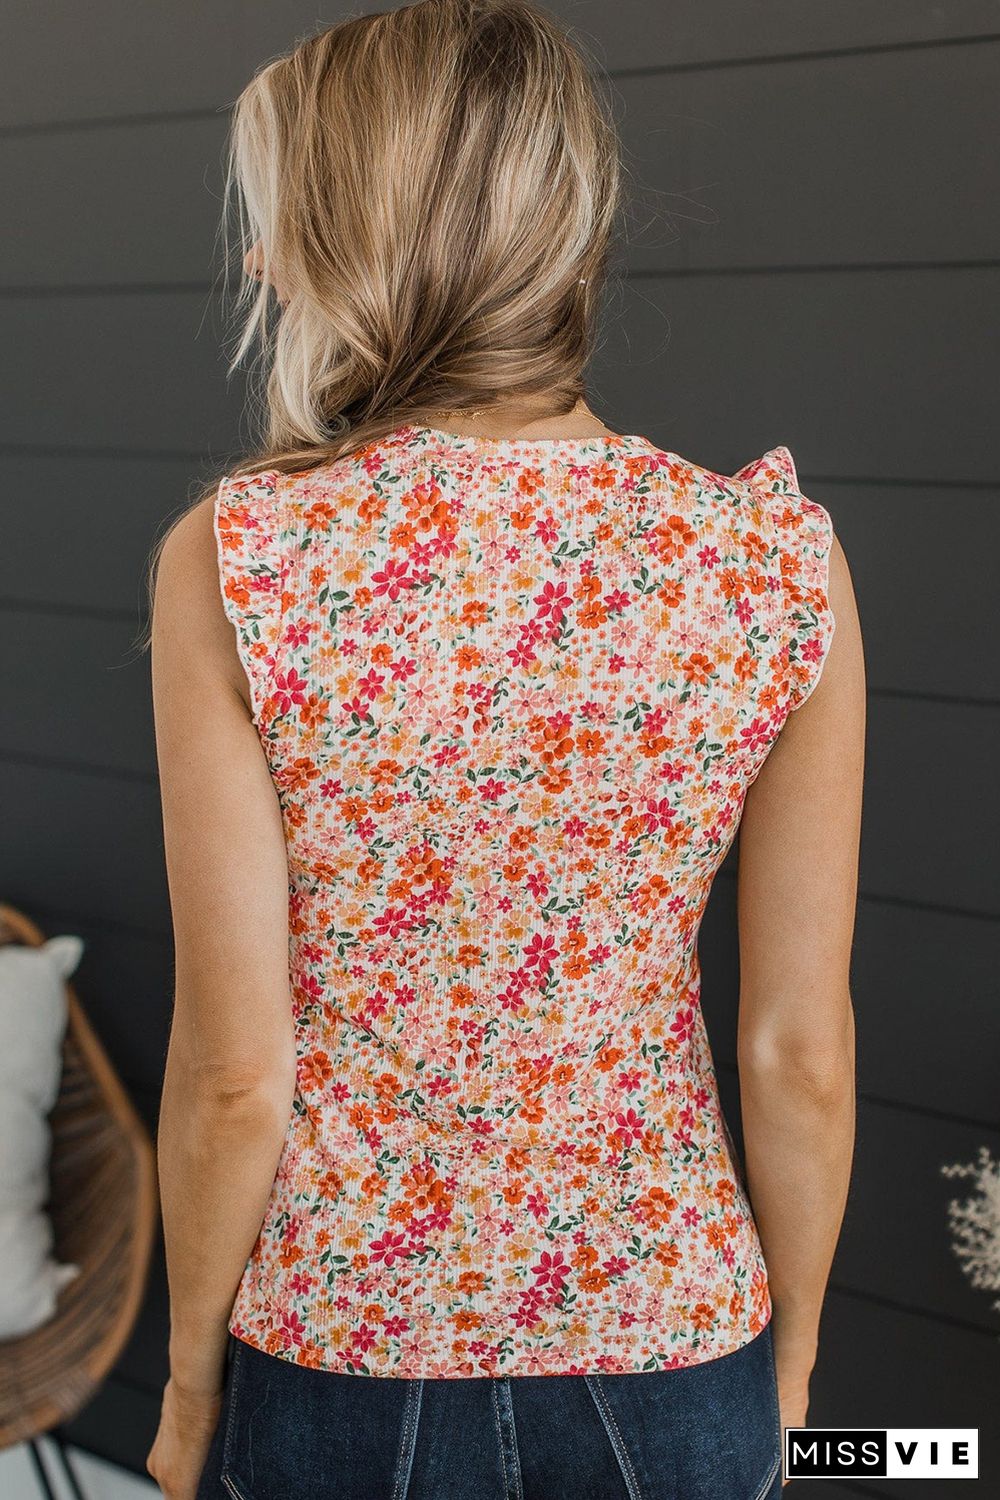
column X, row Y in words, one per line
column 72, row 1479
column 40, row 1471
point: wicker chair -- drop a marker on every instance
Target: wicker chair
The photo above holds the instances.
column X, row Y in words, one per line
column 104, row 1210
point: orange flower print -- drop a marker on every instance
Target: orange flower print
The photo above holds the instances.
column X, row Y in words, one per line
column 511, row 696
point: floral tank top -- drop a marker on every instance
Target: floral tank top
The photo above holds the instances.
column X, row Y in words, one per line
column 512, row 694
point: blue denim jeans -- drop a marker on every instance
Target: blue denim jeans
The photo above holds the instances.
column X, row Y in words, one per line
column 704, row 1432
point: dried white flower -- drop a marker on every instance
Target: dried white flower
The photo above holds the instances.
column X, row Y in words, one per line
column 975, row 1224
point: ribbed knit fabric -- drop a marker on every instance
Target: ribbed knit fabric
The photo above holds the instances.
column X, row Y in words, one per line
column 512, row 694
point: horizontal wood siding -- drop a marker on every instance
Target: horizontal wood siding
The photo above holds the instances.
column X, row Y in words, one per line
column 812, row 259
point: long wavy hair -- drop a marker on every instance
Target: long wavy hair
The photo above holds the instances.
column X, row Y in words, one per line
column 434, row 190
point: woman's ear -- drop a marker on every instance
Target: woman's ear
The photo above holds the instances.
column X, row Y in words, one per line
column 253, row 261
column 253, row 266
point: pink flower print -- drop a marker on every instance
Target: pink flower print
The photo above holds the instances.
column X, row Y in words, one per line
column 289, row 688
column 391, row 580
column 682, row 1024
column 394, row 921
column 491, row 790
column 630, row 1127
column 745, row 612
column 363, row 1338
column 552, row 602
column 551, row 1270
column 541, row 952
column 756, row 735
column 297, row 633
column 503, row 829
column 813, row 649
column 659, row 814
column 390, row 1248
column 371, row 684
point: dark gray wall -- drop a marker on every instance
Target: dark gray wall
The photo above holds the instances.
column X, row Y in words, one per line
column 814, row 262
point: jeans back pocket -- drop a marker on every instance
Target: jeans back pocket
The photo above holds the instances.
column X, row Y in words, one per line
column 297, row 1432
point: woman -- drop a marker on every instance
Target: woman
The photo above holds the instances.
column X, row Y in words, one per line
column 460, row 699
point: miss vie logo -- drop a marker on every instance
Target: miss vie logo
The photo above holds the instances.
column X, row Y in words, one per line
column 882, row 1452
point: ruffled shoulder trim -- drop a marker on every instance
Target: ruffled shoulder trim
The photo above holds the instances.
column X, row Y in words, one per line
column 803, row 538
column 777, row 464
column 248, row 525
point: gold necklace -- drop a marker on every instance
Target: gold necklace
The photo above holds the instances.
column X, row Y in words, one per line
column 461, row 411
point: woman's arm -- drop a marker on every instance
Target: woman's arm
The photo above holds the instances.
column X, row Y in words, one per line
column 230, row 1070
column 797, row 883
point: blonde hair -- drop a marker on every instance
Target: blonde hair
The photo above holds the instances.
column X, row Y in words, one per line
column 435, row 191
column 436, row 188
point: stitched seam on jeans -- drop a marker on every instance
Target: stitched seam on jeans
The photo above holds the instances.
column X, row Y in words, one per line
column 775, row 1397
column 234, row 1371
column 769, row 1480
column 607, row 1416
column 231, row 1487
column 515, row 1456
column 407, row 1443
column 503, row 1460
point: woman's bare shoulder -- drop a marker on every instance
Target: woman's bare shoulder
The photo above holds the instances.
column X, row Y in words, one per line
column 189, row 617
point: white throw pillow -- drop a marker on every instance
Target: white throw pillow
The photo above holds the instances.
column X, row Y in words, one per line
column 33, row 1009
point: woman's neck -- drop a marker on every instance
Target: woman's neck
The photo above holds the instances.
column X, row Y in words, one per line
column 521, row 419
